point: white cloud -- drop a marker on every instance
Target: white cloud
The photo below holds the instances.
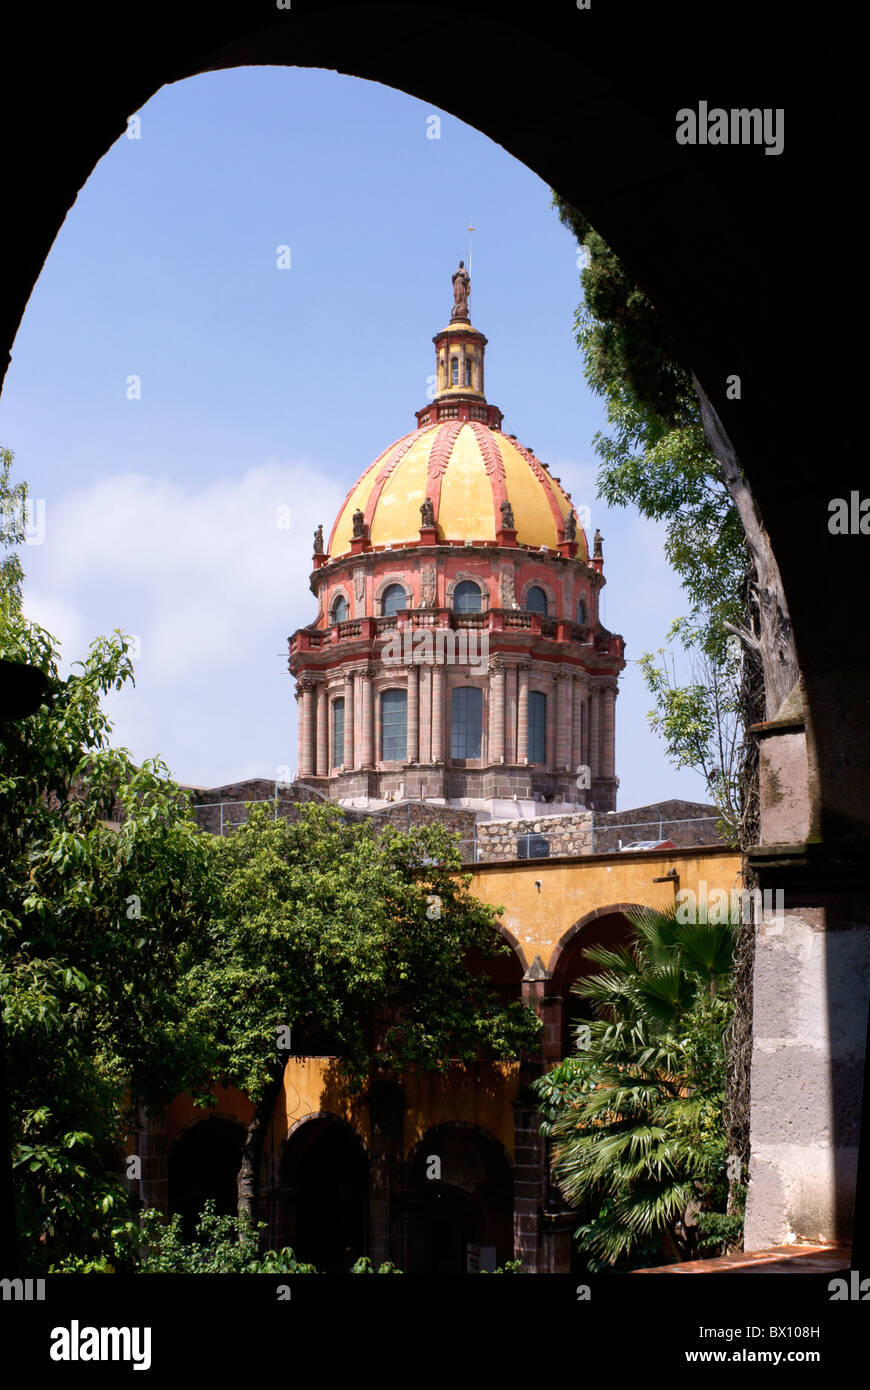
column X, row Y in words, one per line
column 211, row 584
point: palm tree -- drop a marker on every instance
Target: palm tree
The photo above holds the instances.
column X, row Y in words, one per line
column 635, row 1114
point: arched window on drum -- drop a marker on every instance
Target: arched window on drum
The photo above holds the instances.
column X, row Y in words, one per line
column 536, row 600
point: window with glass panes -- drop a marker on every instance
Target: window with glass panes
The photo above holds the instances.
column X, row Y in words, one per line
column 339, row 609
column 337, row 732
column 537, row 727
column 536, row 600
column 466, row 597
column 394, row 725
column 392, row 599
column 466, row 721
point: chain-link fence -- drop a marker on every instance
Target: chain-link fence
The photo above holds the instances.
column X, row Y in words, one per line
column 609, row 837
column 590, row 836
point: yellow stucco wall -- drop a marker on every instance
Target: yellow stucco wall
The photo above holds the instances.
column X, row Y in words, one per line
column 538, row 918
column 571, row 889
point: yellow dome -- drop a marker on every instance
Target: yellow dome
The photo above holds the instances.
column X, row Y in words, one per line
column 468, row 469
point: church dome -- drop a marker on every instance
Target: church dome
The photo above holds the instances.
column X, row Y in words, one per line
column 467, row 469
column 479, row 485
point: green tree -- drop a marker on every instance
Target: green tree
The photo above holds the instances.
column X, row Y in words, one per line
column 636, row 1113
column 104, row 902
column 667, row 453
column 357, row 937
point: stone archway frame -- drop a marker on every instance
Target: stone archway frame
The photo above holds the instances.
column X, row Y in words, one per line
column 204, row 1123
column 330, row 1115
column 387, row 583
column 210, row 1118
column 548, row 590
column 568, row 937
column 280, row 1155
column 468, row 1125
column 514, row 944
column 464, row 577
column 719, row 268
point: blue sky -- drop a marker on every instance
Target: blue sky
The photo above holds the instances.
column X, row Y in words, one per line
column 266, row 388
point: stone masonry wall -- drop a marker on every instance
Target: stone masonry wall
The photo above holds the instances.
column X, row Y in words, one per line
column 565, row 834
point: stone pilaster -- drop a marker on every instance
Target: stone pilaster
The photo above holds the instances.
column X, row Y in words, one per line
column 425, row 714
column 387, row 1108
column 608, row 732
column 496, row 710
column 551, row 725
column 306, row 763
column 564, row 681
column 595, row 732
column 438, row 688
column 368, row 723
column 577, row 724
column 413, row 726
column 510, row 715
column 152, row 1148
column 300, row 728
column 530, row 1154
column 347, row 753
column 322, row 737
column 523, row 714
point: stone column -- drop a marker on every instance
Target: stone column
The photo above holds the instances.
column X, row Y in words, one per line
column 608, row 731
column 425, row 714
column 368, row 726
column 523, row 714
column 321, row 712
column 386, row 1101
column 413, row 749
column 595, row 732
column 530, row 1151
column 306, row 767
column 510, row 716
column 496, row 710
column 550, row 746
column 438, row 686
column 577, row 726
column 300, row 729
column 152, row 1148
column 348, row 750
column 563, row 721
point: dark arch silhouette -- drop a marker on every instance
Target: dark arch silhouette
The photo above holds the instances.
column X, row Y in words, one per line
column 459, row 1184
column 322, row 1204
column 605, row 926
column 505, row 971
column 715, row 245
column 718, row 238
column 204, row 1162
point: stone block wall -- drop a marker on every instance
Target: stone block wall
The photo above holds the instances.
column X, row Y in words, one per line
column 497, row 840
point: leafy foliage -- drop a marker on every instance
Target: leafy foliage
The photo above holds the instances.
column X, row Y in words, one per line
column 656, row 458
column 221, row 1245
column 329, row 928
column 97, row 924
column 636, row 1117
